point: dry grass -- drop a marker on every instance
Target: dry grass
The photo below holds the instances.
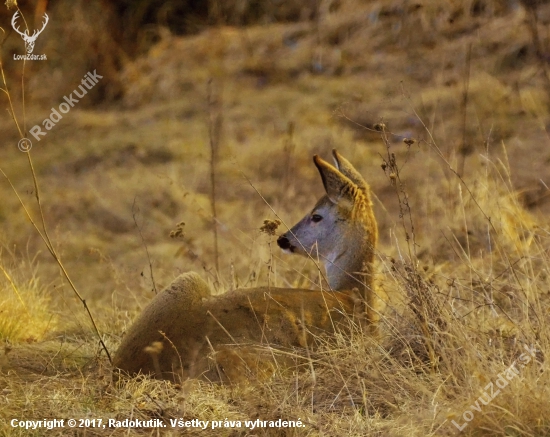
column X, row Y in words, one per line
column 24, row 304
column 467, row 294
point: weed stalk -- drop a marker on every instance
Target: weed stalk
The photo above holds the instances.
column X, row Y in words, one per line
column 43, row 233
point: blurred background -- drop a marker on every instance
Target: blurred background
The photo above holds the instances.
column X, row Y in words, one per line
column 260, row 86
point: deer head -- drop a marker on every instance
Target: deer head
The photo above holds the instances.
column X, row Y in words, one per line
column 29, row 39
column 341, row 229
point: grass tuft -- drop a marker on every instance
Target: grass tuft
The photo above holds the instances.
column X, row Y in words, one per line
column 25, row 307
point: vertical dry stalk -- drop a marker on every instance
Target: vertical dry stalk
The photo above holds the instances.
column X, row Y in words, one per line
column 428, row 314
column 215, row 121
column 281, row 221
column 421, row 301
column 532, row 23
column 288, row 150
column 391, row 168
column 433, row 145
column 46, row 239
column 135, row 211
column 42, row 230
column 270, row 228
column 465, row 148
column 269, row 265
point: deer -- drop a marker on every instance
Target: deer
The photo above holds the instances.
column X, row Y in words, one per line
column 29, row 39
column 187, row 332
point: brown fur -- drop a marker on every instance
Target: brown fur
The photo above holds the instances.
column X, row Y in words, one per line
column 191, row 321
column 186, row 332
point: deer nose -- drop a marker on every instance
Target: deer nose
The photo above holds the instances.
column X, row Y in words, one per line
column 283, row 242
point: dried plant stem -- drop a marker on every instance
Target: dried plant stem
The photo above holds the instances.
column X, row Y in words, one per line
column 11, row 111
column 405, row 212
column 532, row 23
column 8, row 277
column 214, row 130
column 464, row 149
column 269, row 265
column 288, row 150
column 433, row 145
column 46, row 239
column 145, row 246
column 286, row 226
column 44, row 232
column 173, row 347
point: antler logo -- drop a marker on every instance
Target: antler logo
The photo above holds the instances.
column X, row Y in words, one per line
column 29, row 39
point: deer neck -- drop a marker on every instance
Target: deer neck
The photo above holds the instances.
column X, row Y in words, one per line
column 348, row 269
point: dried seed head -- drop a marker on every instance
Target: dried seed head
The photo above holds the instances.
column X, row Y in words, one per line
column 384, row 166
column 11, row 4
column 178, row 232
column 379, row 126
column 270, row 226
column 393, row 176
column 409, row 141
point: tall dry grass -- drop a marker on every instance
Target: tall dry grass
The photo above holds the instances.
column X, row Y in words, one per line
column 467, row 291
column 24, row 303
column 451, row 328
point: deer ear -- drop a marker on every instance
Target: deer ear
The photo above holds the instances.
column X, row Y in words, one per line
column 339, row 187
column 349, row 171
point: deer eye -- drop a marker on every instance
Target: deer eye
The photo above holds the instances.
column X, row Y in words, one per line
column 316, row 218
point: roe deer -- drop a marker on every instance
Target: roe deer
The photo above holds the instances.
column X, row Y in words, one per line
column 186, row 332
